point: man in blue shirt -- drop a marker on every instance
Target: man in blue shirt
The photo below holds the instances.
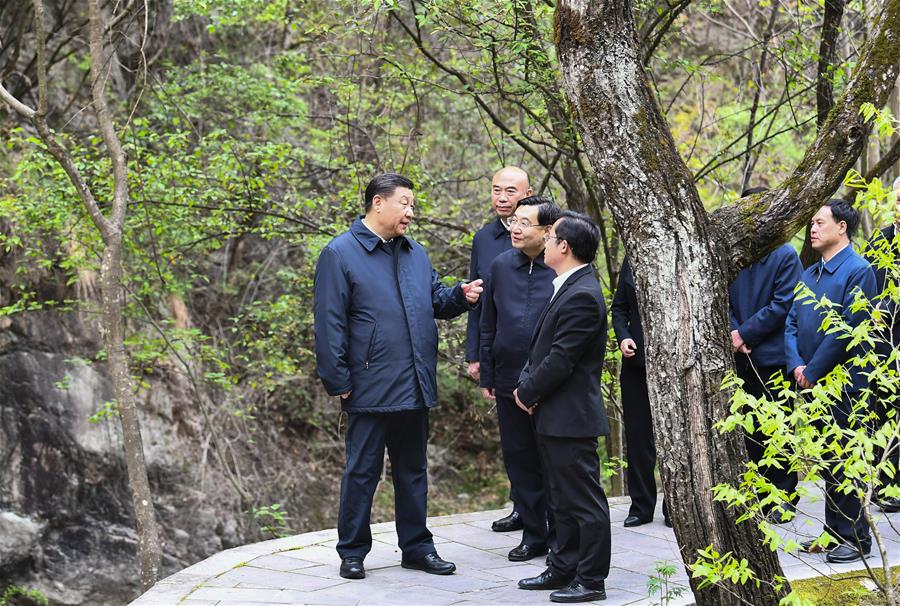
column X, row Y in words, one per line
column 508, row 186
column 516, row 291
column 760, row 298
column 375, row 299
column 812, row 354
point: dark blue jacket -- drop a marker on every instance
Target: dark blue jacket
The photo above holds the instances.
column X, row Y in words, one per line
column 514, row 296
column 374, row 305
column 804, row 342
column 761, row 297
column 488, row 242
column 885, row 241
column 626, row 318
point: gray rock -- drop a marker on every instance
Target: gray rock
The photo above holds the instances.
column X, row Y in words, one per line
column 18, row 538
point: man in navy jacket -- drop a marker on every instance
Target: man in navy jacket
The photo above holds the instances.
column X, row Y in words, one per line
column 515, row 293
column 760, row 298
column 886, row 240
column 812, row 354
column 508, row 186
column 375, row 299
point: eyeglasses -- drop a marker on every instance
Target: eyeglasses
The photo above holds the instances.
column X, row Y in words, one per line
column 513, row 222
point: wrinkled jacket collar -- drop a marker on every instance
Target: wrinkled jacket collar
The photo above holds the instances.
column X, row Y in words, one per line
column 498, row 230
column 522, row 260
column 368, row 238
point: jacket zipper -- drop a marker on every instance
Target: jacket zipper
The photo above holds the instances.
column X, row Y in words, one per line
column 371, row 346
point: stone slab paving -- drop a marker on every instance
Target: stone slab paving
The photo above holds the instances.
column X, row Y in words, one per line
column 303, row 569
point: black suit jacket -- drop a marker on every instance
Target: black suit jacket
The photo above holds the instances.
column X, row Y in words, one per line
column 565, row 361
column 626, row 319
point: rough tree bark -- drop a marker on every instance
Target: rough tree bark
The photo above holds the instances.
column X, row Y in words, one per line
column 112, row 303
column 684, row 257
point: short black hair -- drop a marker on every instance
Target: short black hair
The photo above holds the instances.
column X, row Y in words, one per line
column 384, row 185
column 582, row 234
column 753, row 190
column 548, row 211
column 842, row 210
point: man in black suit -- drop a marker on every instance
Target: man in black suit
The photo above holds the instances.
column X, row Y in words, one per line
column 560, row 386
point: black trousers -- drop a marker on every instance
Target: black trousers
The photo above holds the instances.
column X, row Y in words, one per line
column 640, row 446
column 844, row 517
column 405, row 434
column 518, row 442
column 755, row 379
column 579, row 508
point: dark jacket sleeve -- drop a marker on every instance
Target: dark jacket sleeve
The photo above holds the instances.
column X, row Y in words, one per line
column 447, row 301
column 833, row 350
column 331, row 309
column 575, row 331
column 791, row 348
column 770, row 318
column 486, row 338
column 621, row 312
column 473, row 326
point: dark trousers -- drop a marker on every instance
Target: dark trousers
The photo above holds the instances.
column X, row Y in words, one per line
column 755, row 379
column 518, row 442
column 405, row 435
column 844, row 518
column 579, row 508
column 640, row 447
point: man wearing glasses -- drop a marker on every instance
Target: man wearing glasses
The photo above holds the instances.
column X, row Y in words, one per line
column 516, row 291
column 508, row 186
column 561, row 387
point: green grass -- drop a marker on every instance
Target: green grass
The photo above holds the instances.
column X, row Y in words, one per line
column 845, row 589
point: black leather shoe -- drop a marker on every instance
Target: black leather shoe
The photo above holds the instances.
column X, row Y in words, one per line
column 576, row 592
column 511, row 522
column 808, row 547
column 845, row 553
column 549, row 579
column 524, row 552
column 431, row 563
column 667, row 522
column 352, row 568
column 890, row 505
column 632, row 521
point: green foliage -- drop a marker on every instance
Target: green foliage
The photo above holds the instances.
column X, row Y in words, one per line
column 272, row 519
column 660, row 584
column 804, row 435
column 31, row 595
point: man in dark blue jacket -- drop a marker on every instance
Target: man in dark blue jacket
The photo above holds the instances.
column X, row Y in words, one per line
column 515, row 293
column 376, row 296
column 883, row 250
column 760, row 298
column 508, row 186
column 812, row 354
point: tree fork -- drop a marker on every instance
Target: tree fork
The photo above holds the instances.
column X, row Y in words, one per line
column 684, row 258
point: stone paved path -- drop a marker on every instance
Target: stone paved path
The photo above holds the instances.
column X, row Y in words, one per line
column 303, row 569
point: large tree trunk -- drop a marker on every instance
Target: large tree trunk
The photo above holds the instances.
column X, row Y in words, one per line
column 684, row 258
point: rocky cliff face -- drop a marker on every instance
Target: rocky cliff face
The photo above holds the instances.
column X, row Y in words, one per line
column 65, row 509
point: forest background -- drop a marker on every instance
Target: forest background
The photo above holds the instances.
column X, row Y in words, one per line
column 250, row 128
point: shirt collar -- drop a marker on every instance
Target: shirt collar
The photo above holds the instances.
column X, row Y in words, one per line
column 559, row 280
column 835, row 261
